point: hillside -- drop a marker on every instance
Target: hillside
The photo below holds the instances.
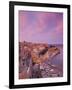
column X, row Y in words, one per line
column 32, row 56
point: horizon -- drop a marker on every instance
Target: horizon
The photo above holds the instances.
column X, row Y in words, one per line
column 41, row 43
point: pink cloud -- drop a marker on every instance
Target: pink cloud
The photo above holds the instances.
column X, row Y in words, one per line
column 60, row 26
column 22, row 20
column 36, row 29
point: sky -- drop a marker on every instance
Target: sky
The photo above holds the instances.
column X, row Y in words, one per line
column 41, row 27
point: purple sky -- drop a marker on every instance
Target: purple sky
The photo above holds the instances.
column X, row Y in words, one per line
column 46, row 27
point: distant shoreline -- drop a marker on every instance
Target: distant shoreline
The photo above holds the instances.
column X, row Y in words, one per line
column 39, row 43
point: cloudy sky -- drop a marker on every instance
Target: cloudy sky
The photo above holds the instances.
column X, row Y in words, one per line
column 46, row 27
